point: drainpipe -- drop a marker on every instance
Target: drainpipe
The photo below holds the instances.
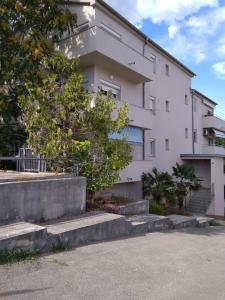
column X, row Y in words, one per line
column 192, row 121
column 143, row 84
column 143, row 99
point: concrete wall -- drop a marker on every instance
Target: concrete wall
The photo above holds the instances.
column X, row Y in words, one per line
column 218, row 180
column 39, row 200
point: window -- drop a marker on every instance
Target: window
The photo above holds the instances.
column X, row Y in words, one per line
column 135, row 137
column 167, row 146
column 82, row 27
column 110, row 31
column 107, row 88
column 195, row 136
column 152, row 147
column 167, row 69
column 167, row 106
column 153, row 60
column 186, row 99
column 186, row 133
column 194, row 104
column 150, row 103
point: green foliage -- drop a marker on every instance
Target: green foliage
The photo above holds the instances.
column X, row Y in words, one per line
column 159, row 186
column 27, row 33
column 16, row 255
column 66, row 124
column 173, row 188
column 220, row 142
column 186, row 182
column 60, row 246
column 156, row 208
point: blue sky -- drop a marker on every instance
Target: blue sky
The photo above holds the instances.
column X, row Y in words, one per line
column 191, row 30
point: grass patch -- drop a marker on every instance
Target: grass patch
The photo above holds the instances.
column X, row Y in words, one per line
column 215, row 223
column 17, row 255
column 60, row 246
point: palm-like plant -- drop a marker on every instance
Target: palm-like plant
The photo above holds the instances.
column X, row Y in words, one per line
column 158, row 186
column 186, row 182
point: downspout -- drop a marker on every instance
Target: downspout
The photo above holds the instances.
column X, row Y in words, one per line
column 143, row 99
column 192, row 121
column 143, row 84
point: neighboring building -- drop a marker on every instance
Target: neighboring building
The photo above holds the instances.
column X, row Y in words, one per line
column 169, row 122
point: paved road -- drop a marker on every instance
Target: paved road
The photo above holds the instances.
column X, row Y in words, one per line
column 181, row 265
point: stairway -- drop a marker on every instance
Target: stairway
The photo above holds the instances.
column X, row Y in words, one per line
column 200, row 201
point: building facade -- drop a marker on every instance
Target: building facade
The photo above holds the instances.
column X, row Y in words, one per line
column 169, row 121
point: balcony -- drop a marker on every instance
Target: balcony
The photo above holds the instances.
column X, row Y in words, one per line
column 96, row 46
column 134, row 171
column 213, row 150
column 214, row 122
column 138, row 116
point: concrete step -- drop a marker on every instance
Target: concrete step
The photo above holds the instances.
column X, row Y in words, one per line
column 90, row 227
column 23, row 235
column 148, row 223
column 182, row 221
column 204, row 221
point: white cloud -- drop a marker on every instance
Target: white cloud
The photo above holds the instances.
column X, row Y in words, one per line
column 185, row 49
column 193, row 26
column 159, row 10
column 170, row 11
column 220, row 50
column 173, row 30
column 207, row 23
column 219, row 69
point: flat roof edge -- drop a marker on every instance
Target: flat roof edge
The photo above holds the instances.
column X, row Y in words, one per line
column 204, row 96
column 148, row 39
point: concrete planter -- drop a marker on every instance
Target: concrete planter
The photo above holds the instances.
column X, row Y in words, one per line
column 131, row 208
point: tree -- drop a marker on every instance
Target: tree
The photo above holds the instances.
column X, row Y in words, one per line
column 186, row 182
column 63, row 124
column 28, row 29
column 159, row 186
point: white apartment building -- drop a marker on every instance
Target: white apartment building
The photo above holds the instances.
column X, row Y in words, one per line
column 169, row 121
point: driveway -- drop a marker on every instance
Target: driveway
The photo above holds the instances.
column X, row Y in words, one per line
column 179, row 265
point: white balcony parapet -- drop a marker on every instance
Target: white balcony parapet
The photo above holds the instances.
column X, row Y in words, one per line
column 96, row 45
column 213, row 122
column 213, row 150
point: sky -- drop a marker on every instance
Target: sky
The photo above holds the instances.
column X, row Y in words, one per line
column 193, row 31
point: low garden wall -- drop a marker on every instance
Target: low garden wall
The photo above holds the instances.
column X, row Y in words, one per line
column 42, row 199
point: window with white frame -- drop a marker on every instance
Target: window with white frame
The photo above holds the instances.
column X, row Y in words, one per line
column 82, row 27
column 186, row 99
column 167, row 145
column 167, row 104
column 107, row 88
column 150, row 103
column 152, row 147
column 135, row 137
column 110, row 31
column 153, row 60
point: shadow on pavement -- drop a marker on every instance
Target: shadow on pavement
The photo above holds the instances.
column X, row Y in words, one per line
column 21, row 292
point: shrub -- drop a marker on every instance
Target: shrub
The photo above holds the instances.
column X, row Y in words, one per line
column 155, row 208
